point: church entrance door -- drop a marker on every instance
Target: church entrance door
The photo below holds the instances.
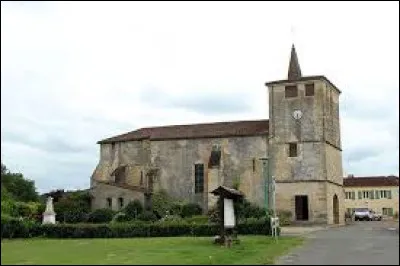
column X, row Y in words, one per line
column 335, row 209
column 301, row 206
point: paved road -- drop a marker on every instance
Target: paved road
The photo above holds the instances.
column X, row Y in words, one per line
column 363, row 243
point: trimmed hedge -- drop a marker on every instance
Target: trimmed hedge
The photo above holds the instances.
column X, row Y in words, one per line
column 15, row 228
column 191, row 209
column 101, row 216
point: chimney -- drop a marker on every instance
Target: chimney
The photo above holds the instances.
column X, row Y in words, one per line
column 350, row 176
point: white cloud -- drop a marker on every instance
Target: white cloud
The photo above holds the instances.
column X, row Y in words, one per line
column 75, row 72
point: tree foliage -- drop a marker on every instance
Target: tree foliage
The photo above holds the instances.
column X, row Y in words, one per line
column 17, row 187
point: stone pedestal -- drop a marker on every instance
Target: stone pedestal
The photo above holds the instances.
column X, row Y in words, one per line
column 49, row 218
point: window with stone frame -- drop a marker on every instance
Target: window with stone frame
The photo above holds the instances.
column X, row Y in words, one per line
column 291, row 91
column 119, row 174
column 292, row 149
column 215, row 157
column 309, row 89
column 387, row 211
column 109, row 203
column 121, row 202
column 141, row 179
column 199, row 178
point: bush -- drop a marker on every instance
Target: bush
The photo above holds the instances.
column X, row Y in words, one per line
column 9, row 207
column 213, row 214
column 285, row 217
column 101, row 216
column 190, row 209
column 245, row 209
column 163, row 204
column 133, row 209
column 169, row 218
column 147, row 216
column 120, row 217
column 19, row 228
column 12, row 227
column 72, row 208
column 27, row 209
column 198, row 219
column 74, row 217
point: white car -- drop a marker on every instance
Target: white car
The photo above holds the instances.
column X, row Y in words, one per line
column 376, row 216
column 363, row 214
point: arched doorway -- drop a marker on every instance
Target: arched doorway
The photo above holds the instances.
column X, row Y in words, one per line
column 335, row 209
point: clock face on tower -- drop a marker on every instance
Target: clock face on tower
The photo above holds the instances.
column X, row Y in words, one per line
column 297, row 114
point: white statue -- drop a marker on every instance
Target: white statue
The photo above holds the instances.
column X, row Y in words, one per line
column 49, row 216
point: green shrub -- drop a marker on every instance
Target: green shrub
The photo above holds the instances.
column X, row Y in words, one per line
column 163, row 204
column 12, row 227
column 72, row 217
column 198, row 219
column 121, row 217
column 133, row 209
column 213, row 214
column 9, row 207
column 285, row 217
column 190, row 209
column 101, row 216
column 147, row 216
column 20, row 228
column 173, row 218
column 175, row 209
column 245, row 209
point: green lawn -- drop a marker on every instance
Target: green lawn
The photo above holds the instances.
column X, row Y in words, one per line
column 172, row 250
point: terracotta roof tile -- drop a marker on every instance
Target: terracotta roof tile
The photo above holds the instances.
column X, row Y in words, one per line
column 371, row 181
column 208, row 130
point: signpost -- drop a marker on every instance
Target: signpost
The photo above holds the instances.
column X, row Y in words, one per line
column 227, row 217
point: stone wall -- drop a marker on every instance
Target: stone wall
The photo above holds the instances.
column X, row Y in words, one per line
column 333, row 189
column 334, row 168
column 316, row 192
column 176, row 159
column 100, row 192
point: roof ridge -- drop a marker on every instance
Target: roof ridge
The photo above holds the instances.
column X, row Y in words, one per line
column 206, row 123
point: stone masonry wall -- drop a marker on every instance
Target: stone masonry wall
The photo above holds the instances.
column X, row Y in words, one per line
column 176, row 159
column 316, row 192
column 101, row 192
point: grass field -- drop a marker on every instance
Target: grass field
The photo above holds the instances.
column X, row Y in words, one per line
column 177, row 250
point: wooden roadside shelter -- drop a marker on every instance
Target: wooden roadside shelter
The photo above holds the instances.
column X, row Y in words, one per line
column 227, row 198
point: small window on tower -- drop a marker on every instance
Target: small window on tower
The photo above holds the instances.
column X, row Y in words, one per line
column 310, row 89
column 292, row 149
column 290, row 91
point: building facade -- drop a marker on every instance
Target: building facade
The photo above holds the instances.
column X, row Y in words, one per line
column 378, row 193
column 299, row 146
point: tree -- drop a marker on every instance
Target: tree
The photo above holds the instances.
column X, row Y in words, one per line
column 18, row 187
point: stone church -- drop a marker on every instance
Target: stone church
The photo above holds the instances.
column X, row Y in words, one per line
column 299, row 146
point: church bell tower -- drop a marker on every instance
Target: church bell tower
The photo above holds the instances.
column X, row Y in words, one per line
column 305, row 146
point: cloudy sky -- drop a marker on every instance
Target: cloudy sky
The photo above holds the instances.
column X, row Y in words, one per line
column 75, row 73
